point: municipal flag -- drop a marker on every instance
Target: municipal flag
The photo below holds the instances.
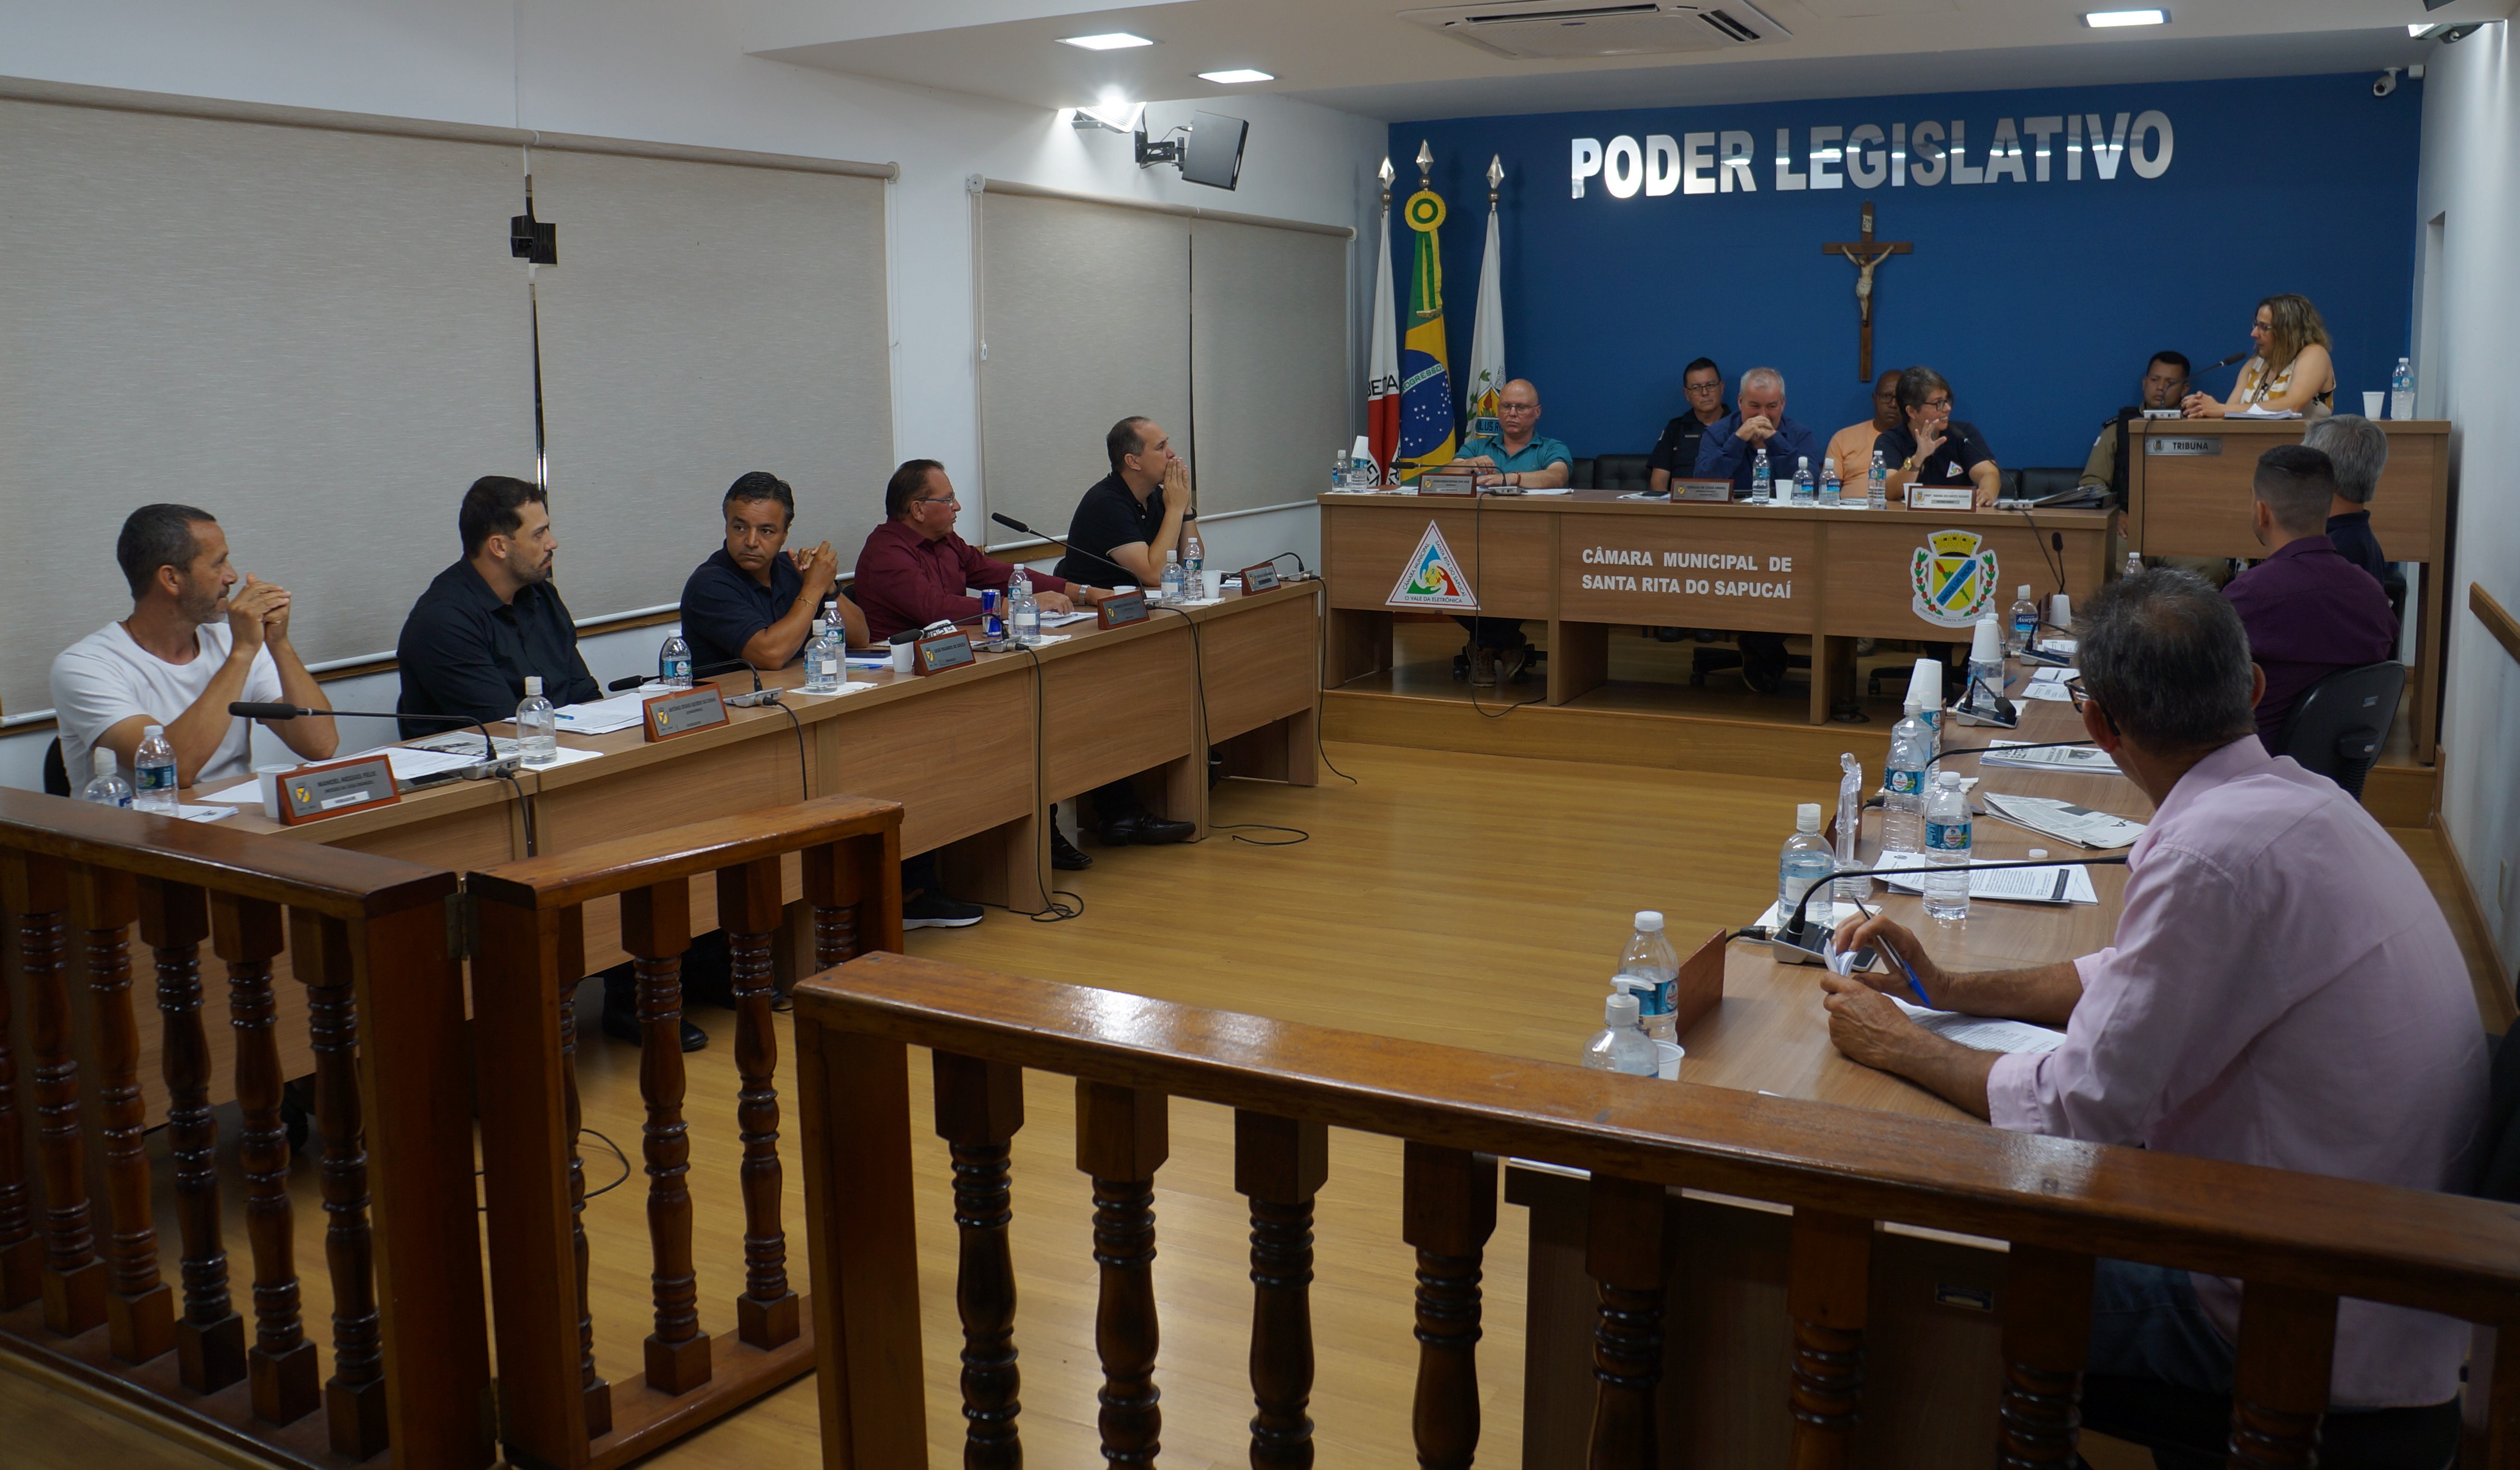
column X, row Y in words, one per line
column 1487, row 378
column 1425, row 374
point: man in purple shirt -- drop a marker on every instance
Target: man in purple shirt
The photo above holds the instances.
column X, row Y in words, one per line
column 2282, row 990
column 2308, row 611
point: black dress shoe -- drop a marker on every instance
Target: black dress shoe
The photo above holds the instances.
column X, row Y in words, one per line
column 1063, row 855
column 1148, row 830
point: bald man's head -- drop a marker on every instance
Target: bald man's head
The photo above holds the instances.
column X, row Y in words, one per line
column 1518, row 408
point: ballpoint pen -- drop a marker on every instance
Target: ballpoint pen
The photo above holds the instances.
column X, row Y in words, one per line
column 1915, row 986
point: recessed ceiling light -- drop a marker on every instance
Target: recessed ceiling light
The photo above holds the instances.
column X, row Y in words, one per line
column 1109, row 40
column 1238, row 74
column 2101, row 19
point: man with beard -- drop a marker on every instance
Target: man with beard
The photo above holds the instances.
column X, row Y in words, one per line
column 186, row 652
column 493, row 617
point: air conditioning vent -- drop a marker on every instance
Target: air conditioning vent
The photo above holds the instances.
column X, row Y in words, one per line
column 1542, row 31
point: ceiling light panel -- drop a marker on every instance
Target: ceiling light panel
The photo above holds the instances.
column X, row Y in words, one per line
column 1238, row 74
column 2103, row 19
column 1109, row 40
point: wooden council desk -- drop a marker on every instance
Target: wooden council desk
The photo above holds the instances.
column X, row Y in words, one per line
column 1933, row 1367
column 1589, row 560
column 2187, row 494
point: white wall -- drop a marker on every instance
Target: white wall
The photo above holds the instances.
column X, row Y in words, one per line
column 673, row 71
column 2471, row 176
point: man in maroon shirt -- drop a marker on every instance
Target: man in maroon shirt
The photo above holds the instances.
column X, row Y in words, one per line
column 2308, row 611
column 913, row 569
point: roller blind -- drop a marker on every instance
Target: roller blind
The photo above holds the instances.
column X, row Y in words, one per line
column 1270, row 360
column 1084, row 320
column 316, row 335
column 706, row 319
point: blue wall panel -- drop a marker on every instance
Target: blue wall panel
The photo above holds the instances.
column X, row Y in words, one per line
column 2041, row 301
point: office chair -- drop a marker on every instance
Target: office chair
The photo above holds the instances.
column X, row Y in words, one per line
column 1621, row 472
column 2337, row 727
column 57, row 776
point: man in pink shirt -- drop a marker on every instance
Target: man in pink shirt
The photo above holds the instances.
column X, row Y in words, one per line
column 2282, row 990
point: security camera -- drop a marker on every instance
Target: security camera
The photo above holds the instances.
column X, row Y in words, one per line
column 2386, row 82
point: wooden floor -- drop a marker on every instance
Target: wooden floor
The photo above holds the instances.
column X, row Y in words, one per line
column 1470, row 899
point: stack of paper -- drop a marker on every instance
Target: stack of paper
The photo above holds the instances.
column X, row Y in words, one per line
column 604, row 716
column 2053, row 884
column 1062, row 619
column 2065, row 821
column 852, row 686
column 2070, row 758
column 2049, row 683
column 1983, row 1032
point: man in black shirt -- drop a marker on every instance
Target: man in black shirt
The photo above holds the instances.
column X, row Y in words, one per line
column 1120, row 532
column 2359, row 450
column 1932, row 447
column 754, row 601
column 1675, row 454
column 493, row 617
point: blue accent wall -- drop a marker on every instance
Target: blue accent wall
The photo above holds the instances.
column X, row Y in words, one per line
column 2040, row 301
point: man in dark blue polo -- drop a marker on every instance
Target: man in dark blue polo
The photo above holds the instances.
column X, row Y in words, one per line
column 754, row 601
column 1730, row 448
column 2308, row 611
column 493, row 617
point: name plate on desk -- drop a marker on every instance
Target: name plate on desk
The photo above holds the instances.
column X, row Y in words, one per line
column 1702, row 490
column 943, row 652
column 684, row 712
column 1448, row 482
column 1120, row 609
column 1259, row 578
column 312, row 793
column 2182, row 443
column 1941, row 497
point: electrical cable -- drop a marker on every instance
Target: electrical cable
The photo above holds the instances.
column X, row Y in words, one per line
column 524, row 810
column 804, row 787
column 1237, row 828
column 1320, row 611
column 592, row 1193
column 1052, row 910
column 1478, row 562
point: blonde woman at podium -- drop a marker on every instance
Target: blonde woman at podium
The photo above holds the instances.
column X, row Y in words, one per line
column 2292, row 370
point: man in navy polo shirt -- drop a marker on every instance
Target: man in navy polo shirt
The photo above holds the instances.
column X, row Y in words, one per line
column 1730, row 451
column 2308, row 611
column 754, row 601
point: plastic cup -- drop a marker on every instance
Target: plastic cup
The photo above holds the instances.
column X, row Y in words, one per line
column 1667, row 1059
column 266, row 780
column 1214, row 583
column 2372, row 404
column 903, row 654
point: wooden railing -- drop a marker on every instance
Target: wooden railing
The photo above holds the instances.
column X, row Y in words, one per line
column 367, row 936
column 556, row 1407
column 2299, row 1242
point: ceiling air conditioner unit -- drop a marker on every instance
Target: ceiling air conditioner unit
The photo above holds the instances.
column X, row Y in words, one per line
column 1542, row 31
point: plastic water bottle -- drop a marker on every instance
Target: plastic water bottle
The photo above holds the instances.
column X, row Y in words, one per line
column 1621, row 1045
column 2134, row 564
column 1947, row 840
column 537, row 727
column 823, row 660
column 1803, row 491
column 1193, row 560
column 1831, row 492
column 1805, row 862
column 1171, row 588
column 1850, row 822
column 152, row 773
column 1024, row 608
column 1763, row 482
column 2402, row 390
column 1650, row 968
column 1876, row 485
column 1339, row 471
column 2024, row 620
column 674, row 661
column 1903, row 783
column 108, row 789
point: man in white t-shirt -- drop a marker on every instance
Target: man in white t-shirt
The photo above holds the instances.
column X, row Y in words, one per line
column 186, row 651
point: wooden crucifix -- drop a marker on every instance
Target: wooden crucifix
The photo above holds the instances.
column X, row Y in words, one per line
column 1867, row 254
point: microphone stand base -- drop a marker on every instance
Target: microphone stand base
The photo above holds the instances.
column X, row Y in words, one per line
column 1786, row 951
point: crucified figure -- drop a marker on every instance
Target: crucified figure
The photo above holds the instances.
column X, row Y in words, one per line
column 1865, row 256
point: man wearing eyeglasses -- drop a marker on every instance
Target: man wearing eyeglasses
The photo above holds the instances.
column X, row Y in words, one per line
column 915, row 569
column 1516, row 457
column 753, row 600
column 1675, row 454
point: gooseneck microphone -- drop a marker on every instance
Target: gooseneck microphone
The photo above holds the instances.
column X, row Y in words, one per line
column 758, row 695
column 1129, row 578
column 491, row 762
column 1802, row 940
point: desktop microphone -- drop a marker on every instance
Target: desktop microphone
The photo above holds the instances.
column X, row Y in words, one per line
column 492, row 764
column 758, row 695
column 2242, row 356
column 1129, row 578
column 1804, row 941
column 2003, row 712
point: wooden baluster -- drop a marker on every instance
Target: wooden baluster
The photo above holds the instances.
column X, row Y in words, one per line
column 354, row 1399
column 834, row 889
column 1623, row 1253
column 73, row 1280
column 1279, row 1164
column 750, row 910
column 2046, row 1337
column 1122, row 1138
column 591, row 1386
column 140, row 1307
column 2287, row 1348
column 1827, row 1286
column 657, row 928
column 1448, row 1204
column 281, row 1365
column 209, row 1337
column 979, row 1107
column 22, row 1251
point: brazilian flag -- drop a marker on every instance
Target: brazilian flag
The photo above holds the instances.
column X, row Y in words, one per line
column 1426, row 377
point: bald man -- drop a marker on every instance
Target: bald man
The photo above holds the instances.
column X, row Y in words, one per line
column 1515, row 457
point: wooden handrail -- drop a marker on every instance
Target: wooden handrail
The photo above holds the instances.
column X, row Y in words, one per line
column 593, row 872
column 2502, row 625
column 2441, row 1253
column 335, row 881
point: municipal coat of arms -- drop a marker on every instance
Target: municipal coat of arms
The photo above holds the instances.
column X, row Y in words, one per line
column 1953, row 577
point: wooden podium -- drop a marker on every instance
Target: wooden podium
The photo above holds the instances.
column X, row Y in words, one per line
column 2187, row 494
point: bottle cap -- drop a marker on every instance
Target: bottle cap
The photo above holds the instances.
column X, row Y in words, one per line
column 1649, row 920
column 151, row 732
column 1620, row 1009
column 104, row 762
column 2039, row 852
column 1829, row 465
column 1802, row 461
column 818, row 628
column 533, row 686
column 1949, row 780
column 1806, row 818
column 2023, row 592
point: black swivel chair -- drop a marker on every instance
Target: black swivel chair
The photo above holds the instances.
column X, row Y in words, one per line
column 1621, row 472
column 2338, row 726
column 2039, row 481
column 57, row 776
column 1579, row 475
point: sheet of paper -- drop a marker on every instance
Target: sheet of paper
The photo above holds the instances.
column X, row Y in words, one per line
column 246, row 795
column 2041, row 689
column 2261, row 411
column 1642, row 495
column 2065, row 821
column 467, row 741
column 1063, row 619
column 1982, row 1032
column 853, row 686
column 2070, row 758
column 2062, row 647
column 1560, row 490
column 568, row 756
column 604, row 716
column 410, row 762
column 2051, row 883
column 192, row 813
